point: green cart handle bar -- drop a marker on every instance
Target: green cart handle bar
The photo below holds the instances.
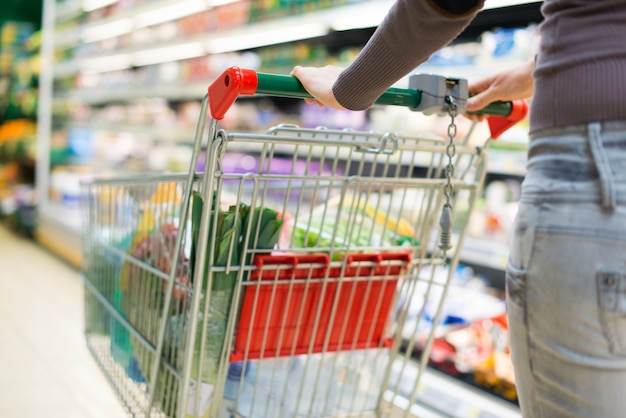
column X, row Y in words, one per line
column 235, row 82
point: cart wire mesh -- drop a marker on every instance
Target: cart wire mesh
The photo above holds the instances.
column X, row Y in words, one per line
column 296, row 274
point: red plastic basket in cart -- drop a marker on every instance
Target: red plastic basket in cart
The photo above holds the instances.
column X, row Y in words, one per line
column 301, row 314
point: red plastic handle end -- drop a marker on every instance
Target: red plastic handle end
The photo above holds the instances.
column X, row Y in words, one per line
column 499, row 124
column 223, row 92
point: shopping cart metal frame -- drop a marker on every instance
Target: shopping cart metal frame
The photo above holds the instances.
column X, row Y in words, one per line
column 385, row 152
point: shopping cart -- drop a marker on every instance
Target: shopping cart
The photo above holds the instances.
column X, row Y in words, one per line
column 299, row 273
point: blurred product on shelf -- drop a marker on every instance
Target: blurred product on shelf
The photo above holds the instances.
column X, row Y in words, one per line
column 99, row 90
column 267, row 10
column 19, row 73
column 17, row 207
column 65, row 184
column 19, row 70
column 282, row 58
column 471, row 342
column 494, row 49
column 314, row 116
column 496, row 211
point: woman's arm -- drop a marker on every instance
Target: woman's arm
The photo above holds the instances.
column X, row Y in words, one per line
column 410, row 32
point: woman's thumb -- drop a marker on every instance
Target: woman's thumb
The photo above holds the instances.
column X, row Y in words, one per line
column 478, row 101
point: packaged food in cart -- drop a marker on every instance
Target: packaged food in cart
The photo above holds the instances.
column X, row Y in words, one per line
column 282, row 291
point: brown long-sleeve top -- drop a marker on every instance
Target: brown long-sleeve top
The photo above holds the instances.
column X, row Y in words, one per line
column 580, row 74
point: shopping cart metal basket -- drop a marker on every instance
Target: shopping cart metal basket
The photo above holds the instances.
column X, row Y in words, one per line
column 299, row 273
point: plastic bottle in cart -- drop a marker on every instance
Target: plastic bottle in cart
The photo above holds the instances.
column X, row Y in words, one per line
column 236, row 372
column 267, row 390
column 361, row 374
column 316, row 386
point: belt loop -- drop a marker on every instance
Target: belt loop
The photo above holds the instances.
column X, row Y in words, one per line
column 601, row 161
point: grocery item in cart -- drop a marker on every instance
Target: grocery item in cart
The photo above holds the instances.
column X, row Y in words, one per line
column 232, row 225
column 351, row 221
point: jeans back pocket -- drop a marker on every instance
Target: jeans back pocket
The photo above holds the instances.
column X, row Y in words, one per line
column 612, row 300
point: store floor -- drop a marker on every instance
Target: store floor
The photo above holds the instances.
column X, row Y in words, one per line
column 45, row 368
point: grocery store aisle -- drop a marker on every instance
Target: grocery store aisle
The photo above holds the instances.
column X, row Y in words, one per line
column 45, row 368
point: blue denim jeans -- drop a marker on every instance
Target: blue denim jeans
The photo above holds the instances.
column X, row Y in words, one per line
column 566, row 276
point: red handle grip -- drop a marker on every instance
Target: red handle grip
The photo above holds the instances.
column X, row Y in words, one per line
column 499, row 124
column 228, row 86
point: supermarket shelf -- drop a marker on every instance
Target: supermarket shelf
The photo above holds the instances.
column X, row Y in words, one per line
column 188, row 91
column 67, row 12
column 70, row 37
column 156, row 133
column 58, row 229
column 447, row 397
column 253, row 35
column 510, row 163
column 442, row 396
column 485, row 252
column 360, row 15
column 73, row 36
column 68, row 217
column 504, row 163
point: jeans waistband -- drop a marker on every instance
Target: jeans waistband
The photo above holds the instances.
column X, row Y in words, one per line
column 606, row 126
column 578, row 163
